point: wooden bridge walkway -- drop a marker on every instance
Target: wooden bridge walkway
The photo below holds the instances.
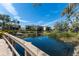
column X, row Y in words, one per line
column 7, row 47
column 4, row 48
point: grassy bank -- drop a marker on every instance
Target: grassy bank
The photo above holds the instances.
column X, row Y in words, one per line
column 68, row 37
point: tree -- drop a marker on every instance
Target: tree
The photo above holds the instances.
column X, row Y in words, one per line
column 5, row 19
column 58, row 26
column 75, row 25
column 30, row 28
column 48, row 29
column 61, row 26
column 16, row 23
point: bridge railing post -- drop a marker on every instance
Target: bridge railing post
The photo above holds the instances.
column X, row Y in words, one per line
column 25, row 53
column 37, row 51
column 14, row 52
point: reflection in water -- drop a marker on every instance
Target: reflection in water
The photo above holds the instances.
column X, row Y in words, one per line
column 51, row 46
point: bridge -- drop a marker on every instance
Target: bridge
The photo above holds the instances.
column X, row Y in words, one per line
column 7, row 47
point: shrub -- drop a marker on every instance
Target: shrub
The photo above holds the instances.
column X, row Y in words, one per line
column 11, row 31
column 1, row 33
column 53, row 35
column 68, row 34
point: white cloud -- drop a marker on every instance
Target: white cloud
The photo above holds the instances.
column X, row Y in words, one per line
column 53, row 22
column 19, row 18
column 50, row 23
column 11, row 9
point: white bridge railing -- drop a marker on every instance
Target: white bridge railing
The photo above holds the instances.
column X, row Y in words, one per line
column 30, row 50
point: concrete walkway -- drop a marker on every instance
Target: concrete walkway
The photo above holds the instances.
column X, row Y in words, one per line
column 4, row 49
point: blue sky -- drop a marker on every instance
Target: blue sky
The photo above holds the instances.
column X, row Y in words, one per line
column 46, row 14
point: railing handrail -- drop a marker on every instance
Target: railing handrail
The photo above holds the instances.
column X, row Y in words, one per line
column 27, row 46
column 12, row 48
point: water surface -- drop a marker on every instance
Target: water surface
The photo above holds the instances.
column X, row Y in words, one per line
column 51, row 46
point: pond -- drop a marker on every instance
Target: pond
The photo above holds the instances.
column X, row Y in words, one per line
column 51, row 46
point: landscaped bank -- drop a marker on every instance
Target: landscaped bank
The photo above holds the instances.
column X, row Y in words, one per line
column 67, row 37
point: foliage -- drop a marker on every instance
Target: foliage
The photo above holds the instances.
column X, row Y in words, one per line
column 11, row 31
column 67, row 30
column 1, row 33
column 61, row 26
column 62, row 34
column 8, row 24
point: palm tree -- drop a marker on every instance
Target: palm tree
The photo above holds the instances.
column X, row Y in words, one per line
column 18, row 22
column 69, row 11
